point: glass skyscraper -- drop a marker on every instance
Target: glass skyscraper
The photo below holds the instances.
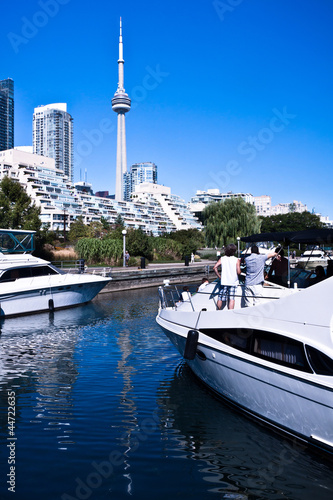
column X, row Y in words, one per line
column 139, row 173
column 53, row 136
column 6, row 114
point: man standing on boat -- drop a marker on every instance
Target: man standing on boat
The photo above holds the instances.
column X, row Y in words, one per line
column 254, row 279
column 230, row 269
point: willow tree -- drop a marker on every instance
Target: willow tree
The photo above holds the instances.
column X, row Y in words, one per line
column 226, row 220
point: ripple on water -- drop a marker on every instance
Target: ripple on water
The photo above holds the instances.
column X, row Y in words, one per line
column 104, row 379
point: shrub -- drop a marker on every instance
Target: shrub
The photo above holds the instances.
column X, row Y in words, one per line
column 94, row 250
column 165, row 248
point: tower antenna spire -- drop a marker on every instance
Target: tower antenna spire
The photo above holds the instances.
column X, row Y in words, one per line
column 121, row 58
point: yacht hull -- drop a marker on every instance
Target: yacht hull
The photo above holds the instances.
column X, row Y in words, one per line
column 311, row 263
column 293, row 399
column 282, row 401
column 49, row 293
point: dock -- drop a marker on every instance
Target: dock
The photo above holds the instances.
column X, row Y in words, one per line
column 130, row 278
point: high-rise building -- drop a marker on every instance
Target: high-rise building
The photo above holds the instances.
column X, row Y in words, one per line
column 139, row 173
column 6, row 114
column 53, row 136
column 121, row 104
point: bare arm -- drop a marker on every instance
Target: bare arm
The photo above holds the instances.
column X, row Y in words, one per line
column 218, row 263
column 238, row 266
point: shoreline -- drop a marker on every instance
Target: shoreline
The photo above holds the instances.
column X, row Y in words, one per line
column 154, row 275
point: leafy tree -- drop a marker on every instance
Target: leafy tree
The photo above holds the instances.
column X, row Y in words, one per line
column 138, row 243
column 78, row 229
column 17, row 210
column 115, row 234
column 166, row 248
column 95, row 229
column 105, row 224
column 119, row 221
column 226, row 220
column 191, row 240
column 292, row 221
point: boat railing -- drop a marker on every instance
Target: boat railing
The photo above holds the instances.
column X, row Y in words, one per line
column 171, row 297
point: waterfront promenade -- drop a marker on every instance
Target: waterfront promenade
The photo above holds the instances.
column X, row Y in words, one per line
column 154, row 274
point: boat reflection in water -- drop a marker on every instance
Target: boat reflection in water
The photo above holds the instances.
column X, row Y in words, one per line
column 37, row 355
column 237, row 457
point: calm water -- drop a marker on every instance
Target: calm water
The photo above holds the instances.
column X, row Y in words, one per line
column 106, row 409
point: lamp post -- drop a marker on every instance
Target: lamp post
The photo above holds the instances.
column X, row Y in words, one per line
column 238, row 243
column 124, row 232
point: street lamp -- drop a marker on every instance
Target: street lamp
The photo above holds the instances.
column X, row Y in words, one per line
column 124, row 232
column 238, row 243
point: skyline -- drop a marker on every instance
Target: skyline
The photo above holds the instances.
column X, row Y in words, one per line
column 232, row 95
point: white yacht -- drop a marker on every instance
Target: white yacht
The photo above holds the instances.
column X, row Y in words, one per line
column 274, row 360
column 29, row 284
column 312, row 258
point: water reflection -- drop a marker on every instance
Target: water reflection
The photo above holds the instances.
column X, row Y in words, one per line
column 236, row 457
column 99, row 381
column 37, row 357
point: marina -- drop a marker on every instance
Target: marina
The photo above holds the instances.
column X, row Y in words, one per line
column 106, row 408
column 169, row 333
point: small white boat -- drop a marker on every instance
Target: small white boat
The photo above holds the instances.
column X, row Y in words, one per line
column 274, row 360
column 29, row 284
column 313, row 258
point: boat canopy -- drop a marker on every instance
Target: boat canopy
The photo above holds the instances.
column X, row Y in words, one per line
column 309, row 236
column 16, row 241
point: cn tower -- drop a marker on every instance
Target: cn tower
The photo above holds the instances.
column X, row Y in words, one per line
column 121, row 104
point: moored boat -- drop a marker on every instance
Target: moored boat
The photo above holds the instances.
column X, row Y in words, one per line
column 274, row 360
column 312, row 258
column 29, row 284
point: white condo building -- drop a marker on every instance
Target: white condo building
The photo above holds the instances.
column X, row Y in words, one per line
column 172, row 205
column 52, row 136
column 263, row 204
column 155, row 211
column 284, row 208
column 204, row 198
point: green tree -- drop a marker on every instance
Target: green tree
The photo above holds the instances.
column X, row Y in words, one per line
column 166, row 248
column 226, row 220
column 138, row 243
column 191, row 240
column 78, row 229
column 119, row 221
column 17, row 210
column 105, row 224
column 95, row 229
column 292, row 221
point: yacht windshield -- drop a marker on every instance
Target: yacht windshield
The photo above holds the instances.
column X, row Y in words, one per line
column 27, row 272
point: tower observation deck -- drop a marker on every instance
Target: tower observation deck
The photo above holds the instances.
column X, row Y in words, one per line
column 121, row 104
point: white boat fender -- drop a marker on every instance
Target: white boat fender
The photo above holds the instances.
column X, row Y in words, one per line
column 191, row 344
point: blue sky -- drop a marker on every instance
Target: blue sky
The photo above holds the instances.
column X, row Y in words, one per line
column 231, row 94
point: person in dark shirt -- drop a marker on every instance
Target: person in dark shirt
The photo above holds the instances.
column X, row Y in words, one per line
column 278, row 272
